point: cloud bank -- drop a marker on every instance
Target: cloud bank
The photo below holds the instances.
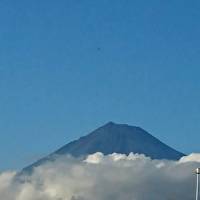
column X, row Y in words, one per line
column 99, row 177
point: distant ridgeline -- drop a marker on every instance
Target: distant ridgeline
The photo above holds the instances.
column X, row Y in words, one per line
column 114, row 138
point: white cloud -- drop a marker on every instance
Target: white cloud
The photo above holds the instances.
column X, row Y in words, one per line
column 99, row 177
column 194, row 157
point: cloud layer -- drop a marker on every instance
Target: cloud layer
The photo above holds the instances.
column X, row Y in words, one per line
column 99, row 177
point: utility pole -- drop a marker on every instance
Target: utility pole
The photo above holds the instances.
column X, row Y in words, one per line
column 197, row 185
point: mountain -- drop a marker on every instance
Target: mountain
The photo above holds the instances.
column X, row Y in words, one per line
column 119, row 138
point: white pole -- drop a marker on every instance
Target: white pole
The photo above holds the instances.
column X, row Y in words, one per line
column 197, row 184
column 197, row 187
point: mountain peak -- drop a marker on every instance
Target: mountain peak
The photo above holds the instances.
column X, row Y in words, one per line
column 120, row 138
column 116, row 125
column 116, row 138
column 110, row 123
column 116, row 128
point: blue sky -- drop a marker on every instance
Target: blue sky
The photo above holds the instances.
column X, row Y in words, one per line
column 67, row 67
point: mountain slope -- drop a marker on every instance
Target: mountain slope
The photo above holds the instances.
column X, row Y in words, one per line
column 119, row 138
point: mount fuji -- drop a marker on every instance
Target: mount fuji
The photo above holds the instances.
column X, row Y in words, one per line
column 114, row 138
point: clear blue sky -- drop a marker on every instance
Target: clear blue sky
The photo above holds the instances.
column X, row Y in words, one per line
column 69, row 66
